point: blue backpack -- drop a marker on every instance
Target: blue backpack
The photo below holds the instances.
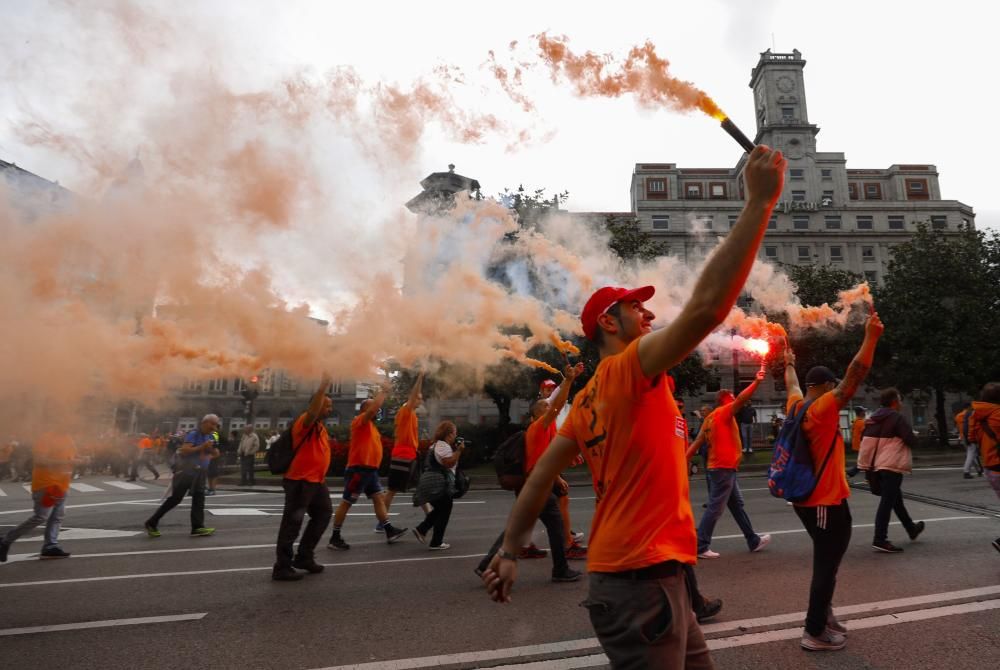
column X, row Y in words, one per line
column 792, row 474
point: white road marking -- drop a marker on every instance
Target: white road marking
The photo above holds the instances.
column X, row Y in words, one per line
column 119, row 502
column 239, row 511
column 84, row 488
column 26, row 487
column 108, row 578
column 857, row 525
column 128, row 486
column 2, row 493
column 102, row 624
column 595, row 660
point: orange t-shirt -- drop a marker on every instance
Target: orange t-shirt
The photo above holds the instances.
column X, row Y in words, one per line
column 312, row 455
column 145, row 443
column 54, row 446
column 407, row 437
column 960, row 425
column 366, row 444
column 632, row 436
column 857, row 428
column 536, row 439
column 725, row 451
column 822, row 426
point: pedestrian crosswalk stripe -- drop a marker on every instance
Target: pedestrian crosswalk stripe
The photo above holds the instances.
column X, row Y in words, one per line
column 2, row 492
column 128, row 486
column 27, row 487
column 84, row 488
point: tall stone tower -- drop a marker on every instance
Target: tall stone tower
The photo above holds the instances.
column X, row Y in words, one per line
column 780, row 104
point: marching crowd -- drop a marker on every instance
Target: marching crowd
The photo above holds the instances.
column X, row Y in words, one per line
column 625, row 423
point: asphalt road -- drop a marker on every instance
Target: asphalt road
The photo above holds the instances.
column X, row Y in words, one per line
column 935, row 605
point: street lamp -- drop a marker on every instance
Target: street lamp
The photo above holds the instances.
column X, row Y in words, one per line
column 250, row 394
column 736, row 363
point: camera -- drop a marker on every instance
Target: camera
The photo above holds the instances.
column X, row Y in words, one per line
column 460, row 441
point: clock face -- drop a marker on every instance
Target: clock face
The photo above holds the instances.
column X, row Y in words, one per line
column 785, row 84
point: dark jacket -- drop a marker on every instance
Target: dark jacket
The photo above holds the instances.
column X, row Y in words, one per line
column 886, row 442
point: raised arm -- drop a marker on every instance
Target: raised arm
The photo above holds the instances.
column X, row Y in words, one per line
column 562, row 393
column 791, row 379
column 316, row 403
column 743, row 398
column 415, row 391
column 862, row 363
column 376, row 403
column 725, row 273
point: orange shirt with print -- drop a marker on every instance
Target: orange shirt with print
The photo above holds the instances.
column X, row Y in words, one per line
column 312, row 451
column 725, row 450
column 145, row 443
column 366, row 444
column 857, row 428
column 56, row 447
column 822, row 426
column 632, row 436
column 407, row 437
column 536, row 439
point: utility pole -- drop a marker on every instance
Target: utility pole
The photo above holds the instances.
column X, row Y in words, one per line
column 250, row 394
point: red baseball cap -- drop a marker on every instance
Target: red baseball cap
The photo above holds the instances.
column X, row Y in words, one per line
column 604, row 299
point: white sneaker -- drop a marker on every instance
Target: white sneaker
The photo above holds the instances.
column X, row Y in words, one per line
column 827, row 641
column 764, row 541
column 577, row 535
column 440, row 547
column 708, row 553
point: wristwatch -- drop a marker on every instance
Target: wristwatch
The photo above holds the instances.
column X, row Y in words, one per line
column 506, row 555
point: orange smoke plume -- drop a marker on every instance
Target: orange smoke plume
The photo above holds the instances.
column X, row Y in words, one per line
column 564, row 346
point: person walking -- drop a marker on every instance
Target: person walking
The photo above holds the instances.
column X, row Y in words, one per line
column 857, row 428
column 825, row 514
column 962, row 421
column 247, row 452
column 746, row 417
column 403, row 460
column 193, row 457
column 984, row 430
column 144, row 455
column 443, row 455
column 886, row 454
column 54, row 458
column 305, row 491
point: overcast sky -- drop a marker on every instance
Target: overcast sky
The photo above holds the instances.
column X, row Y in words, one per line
column 887, row 82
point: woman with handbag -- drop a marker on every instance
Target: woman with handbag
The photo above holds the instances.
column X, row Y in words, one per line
column 441, row 466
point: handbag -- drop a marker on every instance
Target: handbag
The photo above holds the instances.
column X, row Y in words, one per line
column 462, row 484
column 433, row 485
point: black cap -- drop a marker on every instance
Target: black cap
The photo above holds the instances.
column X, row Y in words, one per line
column 820, row 375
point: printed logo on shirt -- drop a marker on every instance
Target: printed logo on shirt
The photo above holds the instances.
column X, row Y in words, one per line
column 680, row 427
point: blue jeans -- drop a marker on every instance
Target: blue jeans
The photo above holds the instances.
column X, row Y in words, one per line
column 724, row 491
column 51, row 516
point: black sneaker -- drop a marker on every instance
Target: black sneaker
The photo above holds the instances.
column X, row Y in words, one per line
column 337, row 542
column 285, row 575
column 4, row 548
column 393, row 534
column 310, row 566
column 967, row 476
column 918, row 528
column 709, row 608
column 567, row 575
column 54, row 552
column 887, row 546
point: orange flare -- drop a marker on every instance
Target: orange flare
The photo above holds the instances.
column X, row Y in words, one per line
column 564, row 346
column 539, row 364
column 757, row 346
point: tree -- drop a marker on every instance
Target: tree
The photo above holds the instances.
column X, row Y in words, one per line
column 941, row 308
column 630, row 242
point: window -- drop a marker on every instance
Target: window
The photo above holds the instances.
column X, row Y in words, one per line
column 772, row 223
column 288, row 383
column 692, row 191
column 804, row 253
column 868, row 253
column 262, row 422
column 916, row 189
column 771, row 252
column 827, row 199
column 871, row 276
column 837, row 253
column 717, row 191
column 865, row 223
column 787, row 113
column 656, row 188
column 732, row 221
column 852, row 191
column 826, row 173
column 939, row 222
column 706, row 222
column 800, row 222
column 661, row 222
column 217, row 385
column 873, row 191
column 896, row 222
column 192, row 386
column 798, row 196
column 797, row 174
column 186, row 423
column 832, row 222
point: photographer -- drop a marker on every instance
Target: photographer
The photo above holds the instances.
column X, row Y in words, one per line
column 444, row 454
column 193, row 457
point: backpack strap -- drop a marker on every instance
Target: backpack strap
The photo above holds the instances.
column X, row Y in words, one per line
column 966, row 417
column 985, row 425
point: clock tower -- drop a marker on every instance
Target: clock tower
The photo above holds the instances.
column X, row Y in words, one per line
column 780, row 104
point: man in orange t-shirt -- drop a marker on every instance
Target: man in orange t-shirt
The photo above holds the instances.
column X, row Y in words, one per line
column 143, row 457
column 305, row 491
column 626, row 424
column 364, row 457
column 825, row 513
column 54, row 456
column 540, row 433
column 722, row 433
column 857, row 428
column 403, row 460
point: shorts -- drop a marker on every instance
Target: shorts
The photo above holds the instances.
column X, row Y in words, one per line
column 361, row 480
column 401, row 473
